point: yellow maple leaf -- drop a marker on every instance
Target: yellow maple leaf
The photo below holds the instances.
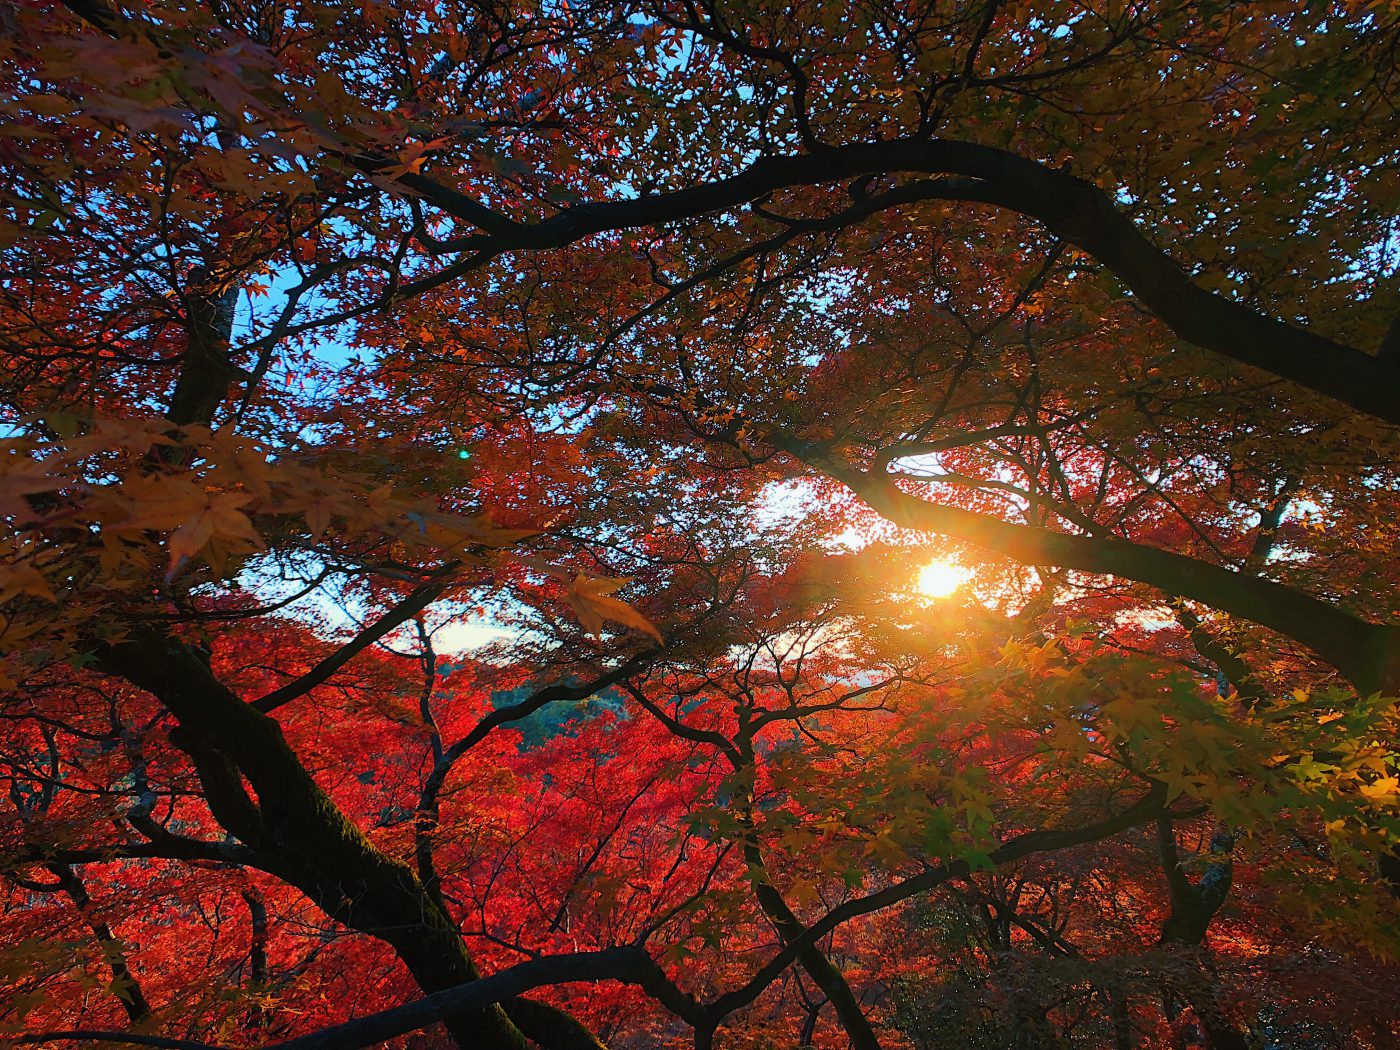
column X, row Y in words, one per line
column 591, row 599
column 23, row 578
column 220, row 519
column 20, row 477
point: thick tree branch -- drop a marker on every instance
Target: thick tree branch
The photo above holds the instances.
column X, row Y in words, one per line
column 100, row 1036
column 301, row 836
column 206, row 371
column 413, row 603
column 1140, row 812
column 1367, row 654
column 1072, row 208
column 629, row 965
column 125, row 987
column 172, row 848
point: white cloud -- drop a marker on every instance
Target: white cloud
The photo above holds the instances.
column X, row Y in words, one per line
column 460, row 636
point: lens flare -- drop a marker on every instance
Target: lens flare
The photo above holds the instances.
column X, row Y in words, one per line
column 939, row 579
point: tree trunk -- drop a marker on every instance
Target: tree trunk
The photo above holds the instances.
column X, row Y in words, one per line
column 296, row 831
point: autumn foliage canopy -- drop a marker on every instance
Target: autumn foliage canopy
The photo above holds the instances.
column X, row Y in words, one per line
column 598, row 524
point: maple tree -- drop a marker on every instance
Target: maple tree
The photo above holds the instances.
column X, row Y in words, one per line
column 665, row 344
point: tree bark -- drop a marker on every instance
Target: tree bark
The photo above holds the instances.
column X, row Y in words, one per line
column 1367, row 654
column 1072, row 208
column 124, row 984
column 295, row 830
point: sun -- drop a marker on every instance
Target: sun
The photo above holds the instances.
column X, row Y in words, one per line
column 939, row 578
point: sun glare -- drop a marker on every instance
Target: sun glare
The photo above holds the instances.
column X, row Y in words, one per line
column 939, row 579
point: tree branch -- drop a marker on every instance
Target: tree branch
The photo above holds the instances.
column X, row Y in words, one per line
column 629, row 965
column 1018, row 848
column 1366, row 653
column 1072, row 208
column 415, row 602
